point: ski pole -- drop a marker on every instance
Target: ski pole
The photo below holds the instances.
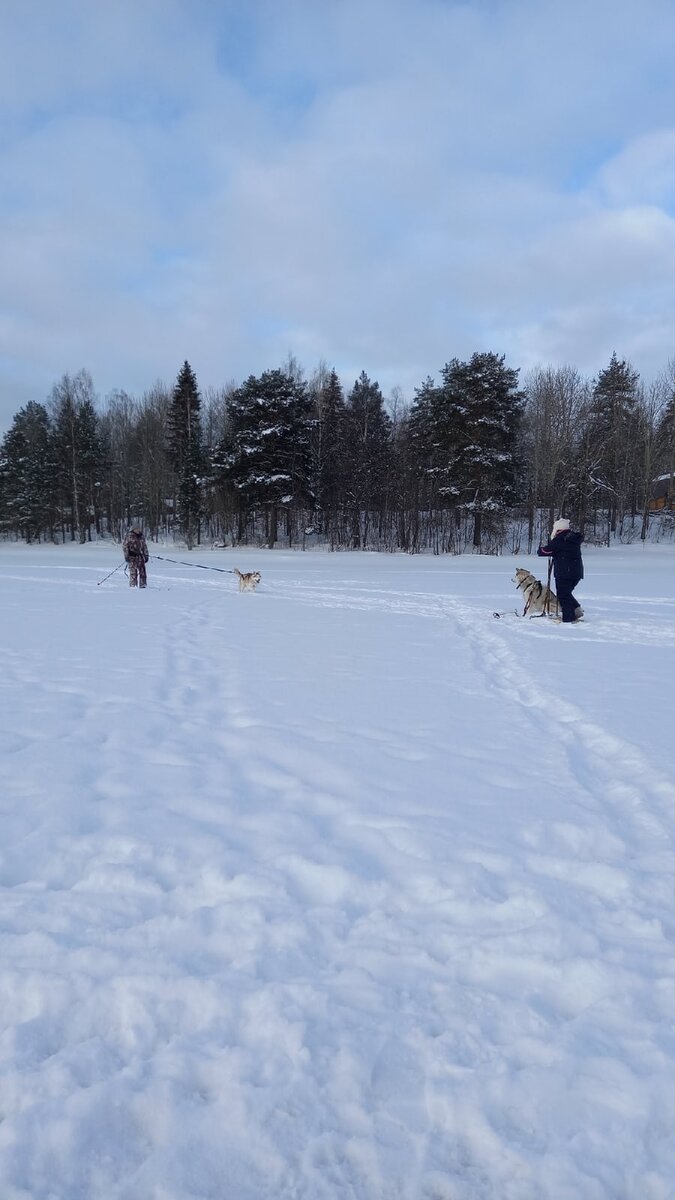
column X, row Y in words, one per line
column 201, row 566
column 108, row 576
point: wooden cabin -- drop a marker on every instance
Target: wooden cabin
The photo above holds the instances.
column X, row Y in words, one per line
column 663, row 494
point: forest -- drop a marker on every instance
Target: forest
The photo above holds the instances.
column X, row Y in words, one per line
column 477, row 460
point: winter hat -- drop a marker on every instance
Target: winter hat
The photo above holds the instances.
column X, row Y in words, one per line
column 560, row 526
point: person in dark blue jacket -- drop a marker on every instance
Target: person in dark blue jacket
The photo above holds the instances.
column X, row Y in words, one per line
column 565, row 550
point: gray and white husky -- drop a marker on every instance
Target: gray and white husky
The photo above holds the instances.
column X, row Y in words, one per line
column 539, row 600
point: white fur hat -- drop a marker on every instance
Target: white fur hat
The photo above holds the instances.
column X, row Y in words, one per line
column 559, row 526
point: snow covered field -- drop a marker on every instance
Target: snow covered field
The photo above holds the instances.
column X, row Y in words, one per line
column 339, row 891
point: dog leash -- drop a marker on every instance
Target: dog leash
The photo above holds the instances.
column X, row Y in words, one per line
column 202, row 567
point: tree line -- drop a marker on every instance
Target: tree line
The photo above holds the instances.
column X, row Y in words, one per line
column 476, row 459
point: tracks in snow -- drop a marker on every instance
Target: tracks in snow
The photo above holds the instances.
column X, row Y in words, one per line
column 601, row 762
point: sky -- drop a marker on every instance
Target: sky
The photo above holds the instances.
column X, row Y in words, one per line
column 380, row 185
column 340, row 890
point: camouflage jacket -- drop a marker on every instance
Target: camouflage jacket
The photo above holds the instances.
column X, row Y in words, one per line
column 135, row 546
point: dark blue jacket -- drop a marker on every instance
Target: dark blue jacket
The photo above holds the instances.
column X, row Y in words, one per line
column 565, row 550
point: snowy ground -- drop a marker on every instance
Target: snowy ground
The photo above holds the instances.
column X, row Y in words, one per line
column 339, row 891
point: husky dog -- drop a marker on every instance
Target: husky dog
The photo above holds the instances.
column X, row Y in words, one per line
column 248, row 580
column 539, row 599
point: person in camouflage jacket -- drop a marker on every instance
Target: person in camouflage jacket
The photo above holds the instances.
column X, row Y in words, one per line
column 135, row 550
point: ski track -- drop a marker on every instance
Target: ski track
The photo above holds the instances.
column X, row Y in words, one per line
column 601, row 763
column 215, row 965
column 596, row 757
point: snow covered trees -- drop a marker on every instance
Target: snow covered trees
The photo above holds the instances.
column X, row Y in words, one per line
column 26, row 474
column 51, row 464
column 276, row 458
column 464, row 435
column 265, row 456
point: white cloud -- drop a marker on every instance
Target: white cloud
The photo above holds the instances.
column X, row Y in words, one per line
column 382, row 185
column 643, row 170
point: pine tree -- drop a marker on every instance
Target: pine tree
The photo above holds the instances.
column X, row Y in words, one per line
column 437, row 418
column 12, row 458
column 368, row 428
column 328, row 451
column 266, row 455
column 91, row 459
column 27, row 469
column 186, row 453
column 428, row 454
column 612, row 425
column 482, row 414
